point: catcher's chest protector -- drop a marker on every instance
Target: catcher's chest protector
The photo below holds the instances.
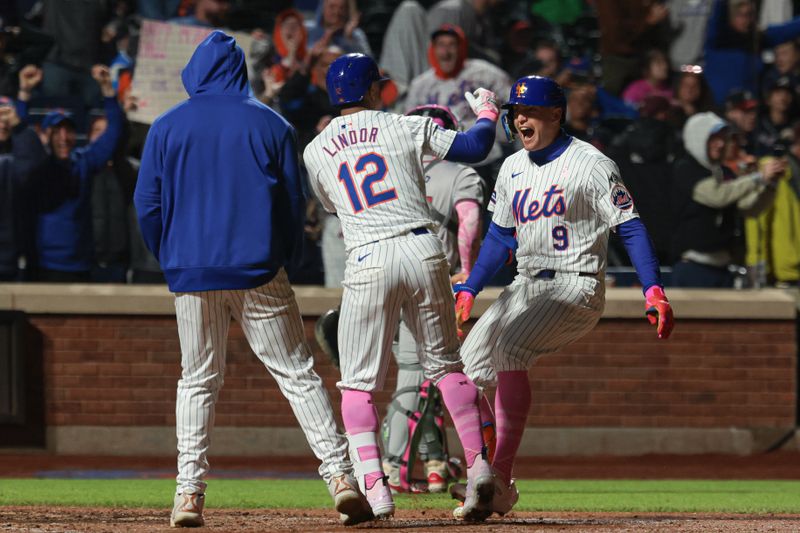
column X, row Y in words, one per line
column 425, row 425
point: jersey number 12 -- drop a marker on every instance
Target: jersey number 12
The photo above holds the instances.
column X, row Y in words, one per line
column 373, row 166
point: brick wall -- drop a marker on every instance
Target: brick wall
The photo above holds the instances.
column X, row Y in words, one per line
column 122, row 371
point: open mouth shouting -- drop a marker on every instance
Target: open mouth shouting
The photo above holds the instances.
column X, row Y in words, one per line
column 527, row 134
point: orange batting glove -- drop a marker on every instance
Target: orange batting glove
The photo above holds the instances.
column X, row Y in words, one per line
column 464, row 301
column 658, row 311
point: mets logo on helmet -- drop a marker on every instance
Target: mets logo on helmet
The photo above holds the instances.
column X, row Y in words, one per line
column 521, row 89
column 621, row 198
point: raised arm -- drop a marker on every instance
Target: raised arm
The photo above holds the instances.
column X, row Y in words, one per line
column 102, row 149
column 474, row 144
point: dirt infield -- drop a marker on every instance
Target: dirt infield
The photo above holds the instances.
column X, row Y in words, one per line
column 147, row 520
column 779, row 465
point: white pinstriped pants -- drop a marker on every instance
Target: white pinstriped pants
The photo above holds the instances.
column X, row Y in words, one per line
column 409, row 274
column 531, row 317
column 272, row 325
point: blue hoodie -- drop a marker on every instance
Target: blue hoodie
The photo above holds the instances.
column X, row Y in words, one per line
column 219, row 195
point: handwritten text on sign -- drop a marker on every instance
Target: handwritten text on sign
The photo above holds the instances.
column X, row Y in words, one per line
column 164, row 49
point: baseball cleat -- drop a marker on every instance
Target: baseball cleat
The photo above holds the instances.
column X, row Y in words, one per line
column 347, row 499
column 436, row 475
column 187, row 510
column 380, row 499
column 480, row 492
column 505, row 497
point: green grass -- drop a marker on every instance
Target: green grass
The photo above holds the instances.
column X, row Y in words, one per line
column 560, row 495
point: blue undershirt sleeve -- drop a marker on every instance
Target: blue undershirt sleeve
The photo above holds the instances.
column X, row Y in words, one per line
column 494, row 252
column 640, row 249
column 473, row 145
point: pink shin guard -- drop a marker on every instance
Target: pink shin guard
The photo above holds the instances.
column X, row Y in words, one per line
column 512, row 402
column 358, row 412
column 460, row 395
column 360, row 421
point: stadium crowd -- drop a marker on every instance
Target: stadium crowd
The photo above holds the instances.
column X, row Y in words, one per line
column 696, row 100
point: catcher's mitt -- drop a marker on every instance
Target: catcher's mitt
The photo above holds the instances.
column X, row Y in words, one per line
column 325, row 331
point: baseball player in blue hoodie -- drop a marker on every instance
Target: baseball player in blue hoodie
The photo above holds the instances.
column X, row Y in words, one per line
column 220, row 204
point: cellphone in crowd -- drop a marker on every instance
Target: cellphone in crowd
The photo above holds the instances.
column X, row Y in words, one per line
column 779, row 149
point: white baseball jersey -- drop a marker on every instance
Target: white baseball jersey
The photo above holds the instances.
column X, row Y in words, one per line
column 367, row 168
column 446, row 184
column 427, row 88
column 563, row 210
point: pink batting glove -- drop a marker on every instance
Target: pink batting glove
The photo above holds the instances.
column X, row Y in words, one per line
column 658, row 311
column 464, row 302
column 483, row 103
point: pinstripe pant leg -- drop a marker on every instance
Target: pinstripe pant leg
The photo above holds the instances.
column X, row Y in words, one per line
column 371, row 302
column 430, row 311
column 272, row 325
column 558, row 313
column 479, row 350
column 203, row 322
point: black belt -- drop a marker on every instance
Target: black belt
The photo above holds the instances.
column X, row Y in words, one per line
column 415, row 231
column 550, row 274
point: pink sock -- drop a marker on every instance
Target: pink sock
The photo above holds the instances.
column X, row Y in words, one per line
column 461, row 398
column 512, row 401
column 360, row 416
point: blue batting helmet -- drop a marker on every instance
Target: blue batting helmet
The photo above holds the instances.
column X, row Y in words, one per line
column 349, row 78
column 533, row 90
column 536, row 90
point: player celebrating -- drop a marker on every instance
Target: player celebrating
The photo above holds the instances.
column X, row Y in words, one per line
column 220, row 205
column 366, row 166
column 554, row 203
column 455, row 195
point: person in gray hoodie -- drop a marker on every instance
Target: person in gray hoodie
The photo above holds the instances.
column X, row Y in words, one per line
column 714, row 183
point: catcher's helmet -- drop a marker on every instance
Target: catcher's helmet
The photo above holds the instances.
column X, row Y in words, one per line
column 349, row 78
column 533, row 90
column 440, row 114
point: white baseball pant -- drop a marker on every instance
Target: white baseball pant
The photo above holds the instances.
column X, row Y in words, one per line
column 408, row 273
column 531, row 317
column 272, row 325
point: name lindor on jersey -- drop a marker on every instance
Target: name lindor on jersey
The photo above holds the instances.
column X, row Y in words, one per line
column 350, row 137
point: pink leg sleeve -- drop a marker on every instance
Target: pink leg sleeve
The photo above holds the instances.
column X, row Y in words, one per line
column 360, row 416
column 460, row 395
column 512, row 402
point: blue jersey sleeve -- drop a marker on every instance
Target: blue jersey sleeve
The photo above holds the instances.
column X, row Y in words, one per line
column 474, row 144
column 497, row 245
column 640, row 249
